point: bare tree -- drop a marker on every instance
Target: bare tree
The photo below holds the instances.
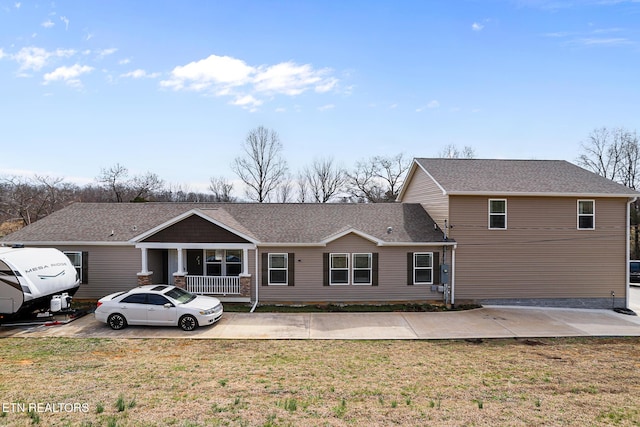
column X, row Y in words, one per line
column 615, row 154
column 378, row 179
column 303, row 188
column 114, row 180
column 33, row 198
column 324, row 179
column 284, row 192
column 143, row 187
column 221, row 189
column 452, row 152
column 262, row 168
column 603, row 152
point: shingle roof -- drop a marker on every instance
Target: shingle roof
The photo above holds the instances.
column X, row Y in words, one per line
column 268, row 223
column 556, row 177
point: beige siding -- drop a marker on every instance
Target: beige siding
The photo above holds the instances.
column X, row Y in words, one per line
column 422, row 189
column 110, row 269
column 392, row 270
column 541, row 254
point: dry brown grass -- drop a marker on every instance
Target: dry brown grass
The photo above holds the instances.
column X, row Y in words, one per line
column 315, row 383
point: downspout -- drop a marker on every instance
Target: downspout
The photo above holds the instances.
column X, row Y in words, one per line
column 453, row 275
column 257, row 286
column 628, row 251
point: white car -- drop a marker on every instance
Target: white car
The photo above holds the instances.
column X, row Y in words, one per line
column 160, row 305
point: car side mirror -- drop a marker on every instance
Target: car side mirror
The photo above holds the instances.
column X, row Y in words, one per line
column 168, row 305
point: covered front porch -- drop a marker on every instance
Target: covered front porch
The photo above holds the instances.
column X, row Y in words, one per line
column 220, row 270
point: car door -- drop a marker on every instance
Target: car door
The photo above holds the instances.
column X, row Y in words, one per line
column 160, row 311
column 134, row 308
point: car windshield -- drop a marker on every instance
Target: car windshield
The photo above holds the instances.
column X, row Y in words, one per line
column 180, row 295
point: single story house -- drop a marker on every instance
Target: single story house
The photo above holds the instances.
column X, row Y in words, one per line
column 248, row 252
column 529, row 232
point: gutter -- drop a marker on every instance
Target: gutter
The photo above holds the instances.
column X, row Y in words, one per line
column 628, row 251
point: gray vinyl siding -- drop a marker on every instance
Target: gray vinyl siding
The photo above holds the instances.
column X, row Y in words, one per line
column 111, row 269
column 309, row 285
column 422, row 189
column 541, row 254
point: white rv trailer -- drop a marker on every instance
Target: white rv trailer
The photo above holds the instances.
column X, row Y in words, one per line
column 31, row 277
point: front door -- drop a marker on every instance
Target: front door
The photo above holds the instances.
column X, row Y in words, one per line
column 195, row 263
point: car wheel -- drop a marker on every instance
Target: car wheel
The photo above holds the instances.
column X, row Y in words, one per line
column 116, row 321
column 188, row 323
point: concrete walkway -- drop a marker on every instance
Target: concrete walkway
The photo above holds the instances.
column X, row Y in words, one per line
column 486, row 322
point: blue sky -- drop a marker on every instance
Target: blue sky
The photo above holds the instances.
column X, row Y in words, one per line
column 173, row 87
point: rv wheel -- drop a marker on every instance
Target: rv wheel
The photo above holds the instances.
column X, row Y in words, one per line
column 188, row 323
column 117, row 321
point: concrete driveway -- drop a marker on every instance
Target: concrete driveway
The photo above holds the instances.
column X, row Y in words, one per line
column 486, row 322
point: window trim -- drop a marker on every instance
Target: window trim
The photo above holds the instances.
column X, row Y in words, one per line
column 285, row 268
column 347, row 269
column 354, row 269
column 223, row 263
column 416, row 268
column 492, row 214
column 81, row 269
column 591, row 215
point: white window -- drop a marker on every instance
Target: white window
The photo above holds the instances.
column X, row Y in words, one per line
column 278, row 269
column 361, row 269
column 338, row 269
column 423, row 268
column 497, row 214
column 586, row 214
column 220, row 262
column 76, row 260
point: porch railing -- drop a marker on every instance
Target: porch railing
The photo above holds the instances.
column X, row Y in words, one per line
column 213, row 285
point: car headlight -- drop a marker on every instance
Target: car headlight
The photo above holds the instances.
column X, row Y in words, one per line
column 209, row 311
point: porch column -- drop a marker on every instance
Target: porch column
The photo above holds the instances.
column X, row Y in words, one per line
column 145, row 262
column 181, row 269
column 144, row 277
column 245, row 261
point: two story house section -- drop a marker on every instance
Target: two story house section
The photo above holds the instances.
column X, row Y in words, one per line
column 528, row 232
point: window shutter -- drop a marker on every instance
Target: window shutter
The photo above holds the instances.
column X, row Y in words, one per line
column 374, row 269
column 325, row 269
column 436, row 268
column 85, row 267
column 265, row 269
column 292, row 269
column 410, row 268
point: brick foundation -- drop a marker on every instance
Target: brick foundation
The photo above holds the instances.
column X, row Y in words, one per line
column 245, row 285
column 145, row 278
column 180, row 280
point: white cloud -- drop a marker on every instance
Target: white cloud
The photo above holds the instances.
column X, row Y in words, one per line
column 477, row 26
column 2, row 55
column 68, row 74
column 431, row 105
column 66, row 22
column 247, row 102
column 34, row 58
column 124, row 61
column 17, row 5
column 327, row 107
column 48, row 23
column 228, row 76
column 106, row 52
column 212, row 71
column 139, row 73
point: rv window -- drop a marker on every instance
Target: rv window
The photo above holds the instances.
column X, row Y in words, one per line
column 26, row 289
